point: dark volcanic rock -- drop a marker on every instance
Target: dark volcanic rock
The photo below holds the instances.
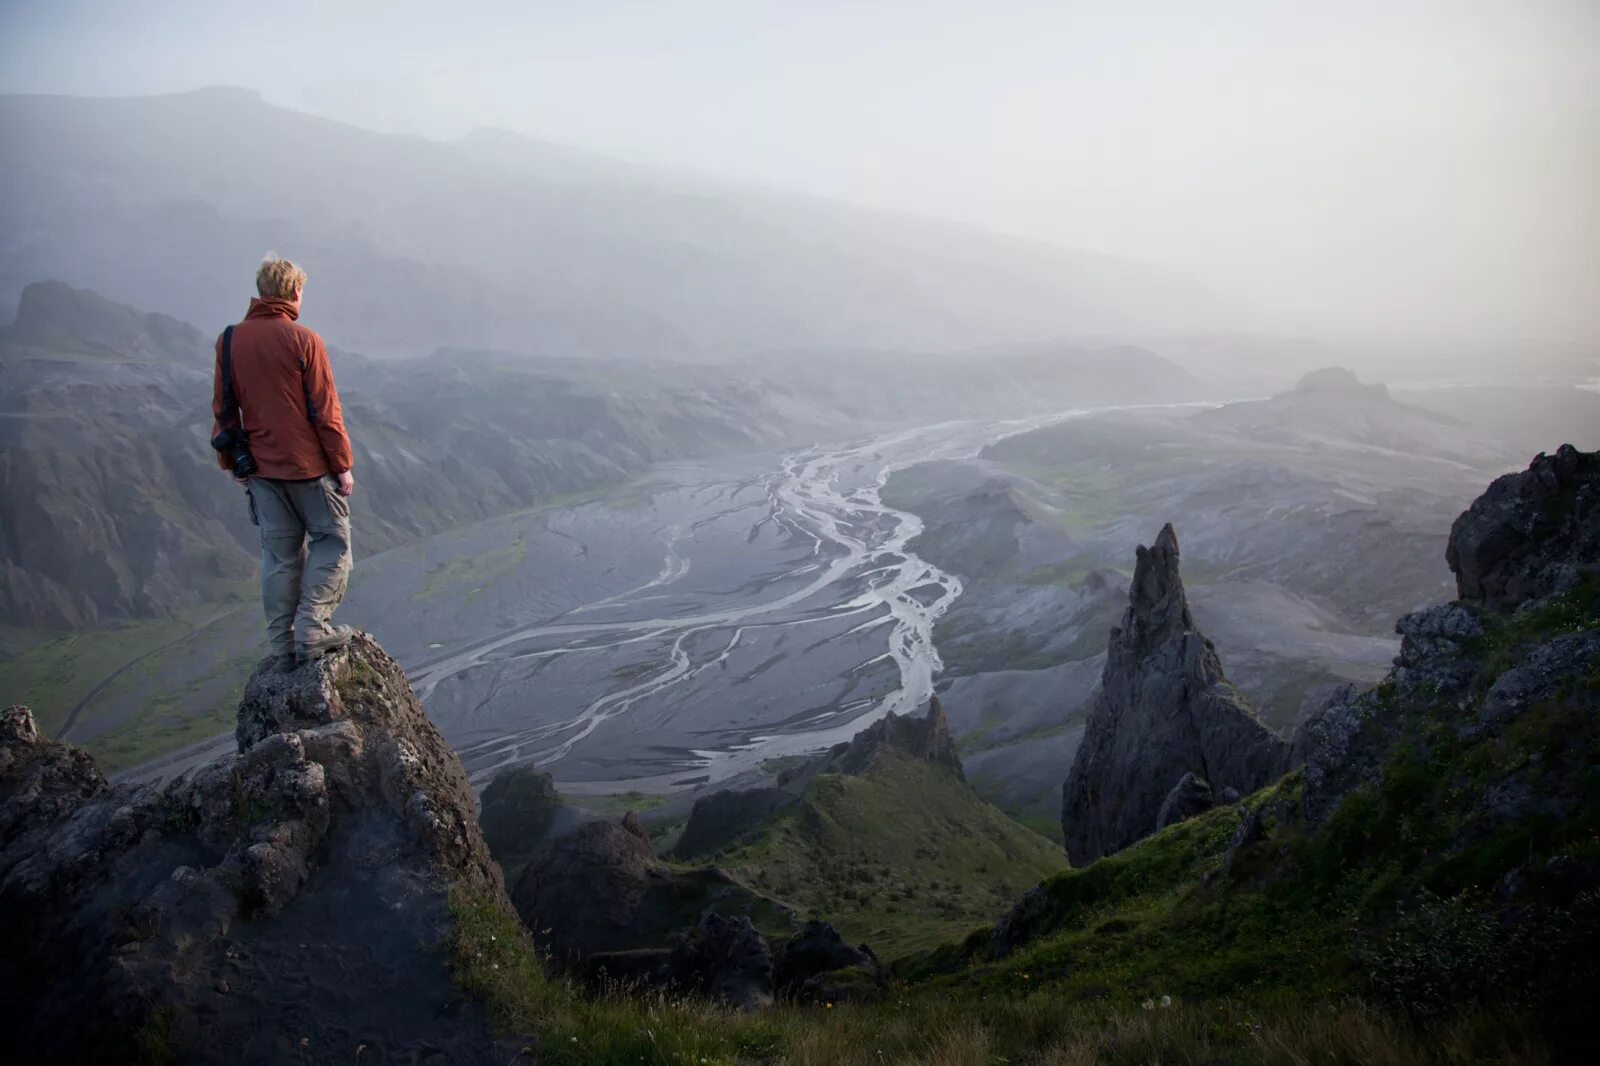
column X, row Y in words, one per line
column 1189, row 797
column 250, row 890
column 1164, row 710
column 598, row 899
column 519, row 808
column 589, row 892
column 632, row 824
column 927, row 737
column 1532, row 534
column 1028, row 917
column 721, row 819
column 816, row 950
column 1539, row 676
column 725, row 959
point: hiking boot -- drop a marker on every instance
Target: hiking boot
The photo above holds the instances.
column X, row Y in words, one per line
column 312, row 650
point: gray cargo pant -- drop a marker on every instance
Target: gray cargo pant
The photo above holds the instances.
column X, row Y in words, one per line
column 305, row 556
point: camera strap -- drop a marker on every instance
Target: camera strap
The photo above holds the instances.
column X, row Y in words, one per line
column 230, row 404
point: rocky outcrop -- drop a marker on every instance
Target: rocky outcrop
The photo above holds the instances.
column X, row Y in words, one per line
column 722, row 819
column 724, row 959
column 248, row 896
column 1532, row 534
column 518, row 810
column 55, row 318
column 1190, row 796
column 589, row 892
column 1338, row 383
column 598, row 900
column 816, row 965
column 926, row 737
column 632, row 825
column 1164, row 710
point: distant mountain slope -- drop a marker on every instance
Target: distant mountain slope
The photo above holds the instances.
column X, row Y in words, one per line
column 1305, row 533
column 1330, row 408
column 56, row 321
column 115, row 508
column 119, row 512
column 496, row 241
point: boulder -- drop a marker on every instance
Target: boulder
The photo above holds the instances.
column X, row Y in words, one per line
column 1189, row 797
column 725, row 959
column 1164, row 710
column 817, row 949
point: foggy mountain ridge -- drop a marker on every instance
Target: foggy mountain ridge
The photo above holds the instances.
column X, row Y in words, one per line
column 118, row 513
column 497, row 241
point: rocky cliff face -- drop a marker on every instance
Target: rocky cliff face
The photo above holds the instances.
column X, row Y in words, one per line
column 926, row 737
column 1165, row 710
column 1525, row 630
column 288, row 901
column 1532, row 534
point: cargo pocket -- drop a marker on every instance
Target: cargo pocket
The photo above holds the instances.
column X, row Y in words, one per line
column 338, row 508
column 250, row 496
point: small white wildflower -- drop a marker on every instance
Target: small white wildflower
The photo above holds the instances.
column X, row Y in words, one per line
column 1149, row 1004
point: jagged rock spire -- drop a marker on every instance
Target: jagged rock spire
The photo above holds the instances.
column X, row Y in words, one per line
column 1164, row 710
column 925, row 737
column 1157, row 606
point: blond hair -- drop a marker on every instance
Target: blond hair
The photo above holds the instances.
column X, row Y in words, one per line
column 278, row 277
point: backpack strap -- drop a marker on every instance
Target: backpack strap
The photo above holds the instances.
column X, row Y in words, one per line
column 230, row 403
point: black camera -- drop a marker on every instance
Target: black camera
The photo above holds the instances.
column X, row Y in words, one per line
column 235, row 444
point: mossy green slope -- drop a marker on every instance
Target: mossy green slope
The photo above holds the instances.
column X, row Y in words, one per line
column 903, row 855
column 1437, row 887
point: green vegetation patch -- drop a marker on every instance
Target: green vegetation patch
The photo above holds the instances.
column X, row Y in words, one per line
column 162, row 723
column 620, row 802
column 492, row 963
column 903, row 856
column 473, row 571
column 1400, row 895
column 1573, row 611
column 53, row 676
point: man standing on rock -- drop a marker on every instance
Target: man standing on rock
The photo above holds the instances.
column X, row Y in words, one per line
column 280, row 433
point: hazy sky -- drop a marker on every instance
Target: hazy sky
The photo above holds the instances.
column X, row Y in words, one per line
column 1411, row 165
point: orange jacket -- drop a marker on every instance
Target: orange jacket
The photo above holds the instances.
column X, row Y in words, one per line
column 286, row 397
